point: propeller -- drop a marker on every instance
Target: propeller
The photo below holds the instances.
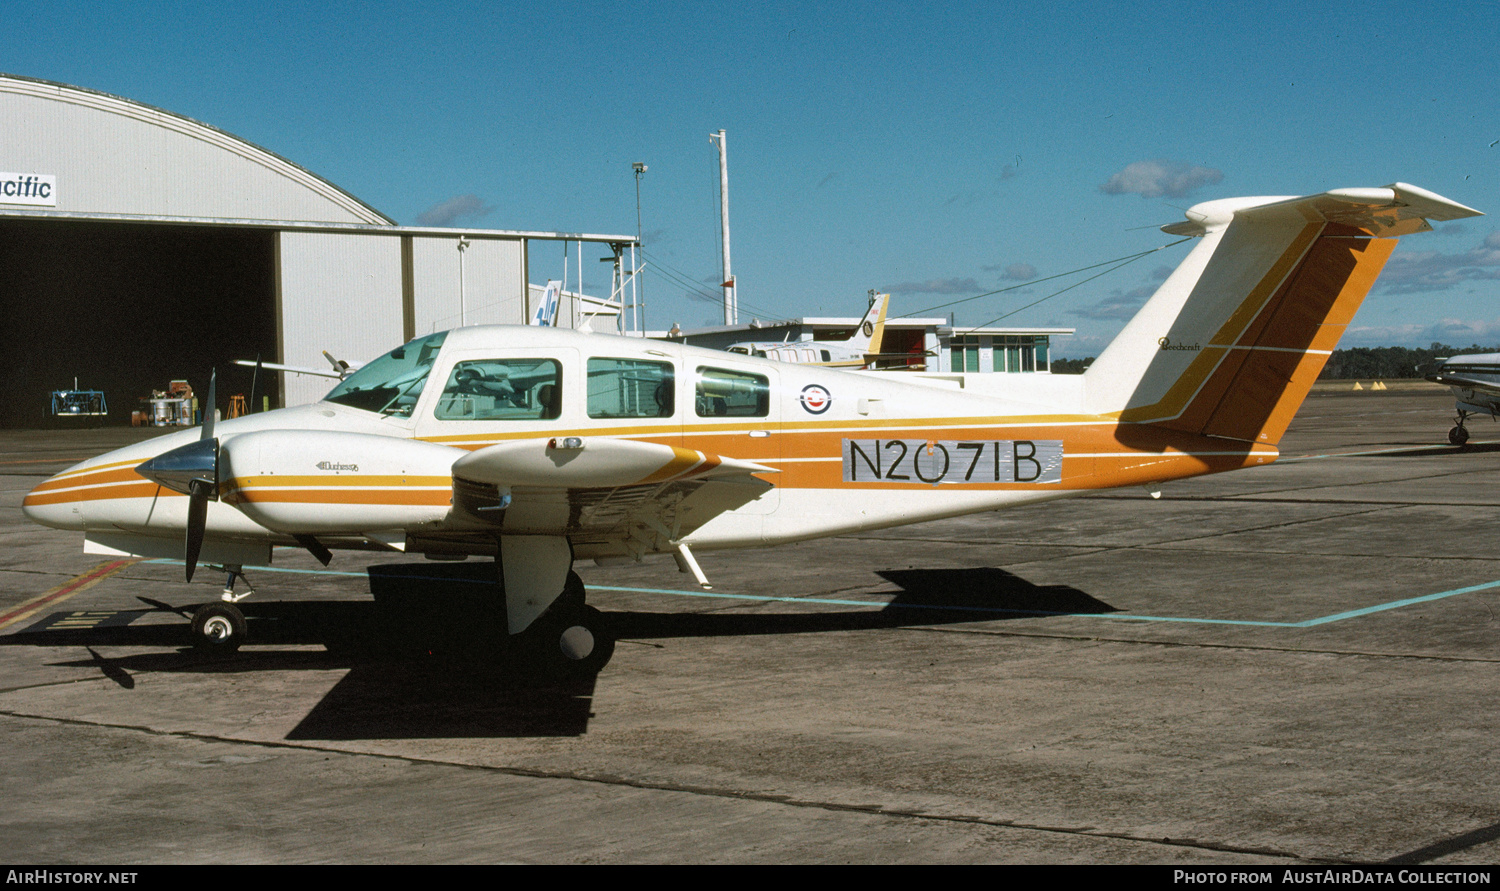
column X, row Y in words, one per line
column 339, row 365
column 199, row 492
column 254, row 380
column 193, row 470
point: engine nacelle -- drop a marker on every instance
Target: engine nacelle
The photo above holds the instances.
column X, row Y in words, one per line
column 316, row 482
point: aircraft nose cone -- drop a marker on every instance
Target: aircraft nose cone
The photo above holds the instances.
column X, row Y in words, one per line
column 53, row 503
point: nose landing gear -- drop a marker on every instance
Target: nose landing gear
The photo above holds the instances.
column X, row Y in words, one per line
column 1459, row 434
column 220, row 628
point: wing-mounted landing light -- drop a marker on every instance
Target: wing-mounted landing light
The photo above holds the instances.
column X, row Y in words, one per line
column 193, row 470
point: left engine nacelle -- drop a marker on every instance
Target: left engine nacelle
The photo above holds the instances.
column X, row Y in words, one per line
column 314, row 482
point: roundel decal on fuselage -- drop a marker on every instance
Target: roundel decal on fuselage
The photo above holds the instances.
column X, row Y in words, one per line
column 815, row 399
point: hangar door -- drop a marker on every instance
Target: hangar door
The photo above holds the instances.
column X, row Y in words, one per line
column 126, row 308
column 341, row 294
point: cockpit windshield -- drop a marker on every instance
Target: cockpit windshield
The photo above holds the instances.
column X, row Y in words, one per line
column 391, row 384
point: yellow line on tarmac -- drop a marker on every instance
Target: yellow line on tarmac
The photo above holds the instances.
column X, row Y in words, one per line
column 64, row 591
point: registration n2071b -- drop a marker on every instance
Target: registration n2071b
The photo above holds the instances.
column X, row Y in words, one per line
column 952, row 461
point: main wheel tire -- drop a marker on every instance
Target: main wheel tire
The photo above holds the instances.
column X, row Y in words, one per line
column 218, row 628
column 1458, row 435
column 574, row 644
column 588, row 642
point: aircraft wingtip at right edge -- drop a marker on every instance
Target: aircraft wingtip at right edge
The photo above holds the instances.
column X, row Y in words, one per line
column 1432, row 205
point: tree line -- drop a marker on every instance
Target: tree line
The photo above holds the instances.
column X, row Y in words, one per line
column 1357, row 362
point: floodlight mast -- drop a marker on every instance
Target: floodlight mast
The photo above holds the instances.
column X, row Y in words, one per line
column 640, row 288
column 731, row 299
column 463, row 301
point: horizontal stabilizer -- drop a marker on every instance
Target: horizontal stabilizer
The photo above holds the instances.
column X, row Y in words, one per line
column 1387, row 211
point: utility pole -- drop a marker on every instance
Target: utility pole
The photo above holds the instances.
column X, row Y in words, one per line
column 731, row 300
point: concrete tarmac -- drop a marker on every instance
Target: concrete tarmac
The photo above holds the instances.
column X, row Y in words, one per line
column 1285, row 665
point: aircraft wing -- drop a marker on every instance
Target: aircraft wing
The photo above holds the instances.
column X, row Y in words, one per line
column 605, row 494
column 338, row 368
column 298, row 369
column 1488, row 384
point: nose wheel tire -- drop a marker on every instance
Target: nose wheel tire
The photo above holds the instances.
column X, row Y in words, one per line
column 218, row 628
column 1458, row 435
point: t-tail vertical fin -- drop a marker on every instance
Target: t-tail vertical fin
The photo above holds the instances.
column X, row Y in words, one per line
column 871, row 330
column 1231, row 343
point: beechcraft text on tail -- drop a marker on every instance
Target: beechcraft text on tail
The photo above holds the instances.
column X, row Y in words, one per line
column 537, row 446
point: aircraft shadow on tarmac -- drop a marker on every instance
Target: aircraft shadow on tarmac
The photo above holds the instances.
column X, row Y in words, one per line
column 927, row 597
column 1434, row 451
column 434, row 673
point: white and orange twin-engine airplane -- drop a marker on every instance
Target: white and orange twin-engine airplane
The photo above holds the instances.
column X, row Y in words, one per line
column 539, row 446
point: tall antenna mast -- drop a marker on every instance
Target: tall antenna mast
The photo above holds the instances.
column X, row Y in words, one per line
column 731, row 300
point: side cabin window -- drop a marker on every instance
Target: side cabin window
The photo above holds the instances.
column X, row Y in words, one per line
column 732, row 394
column 502, row 390
column 630, row 388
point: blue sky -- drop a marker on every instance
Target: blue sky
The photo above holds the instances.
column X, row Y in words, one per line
column 938, row 151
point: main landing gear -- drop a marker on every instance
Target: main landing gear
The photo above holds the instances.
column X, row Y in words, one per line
column 220, row 628
column 570, row 640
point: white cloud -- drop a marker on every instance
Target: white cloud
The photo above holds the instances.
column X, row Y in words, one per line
column 1161, row 178
column 1454, row 332
column 1417, row 272
column 1014, row 272
column 460, row 207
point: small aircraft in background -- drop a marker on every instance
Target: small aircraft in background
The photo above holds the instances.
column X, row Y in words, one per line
column 1475, row 381
column 858, row 351
column 339, row 369
column 538, row 446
